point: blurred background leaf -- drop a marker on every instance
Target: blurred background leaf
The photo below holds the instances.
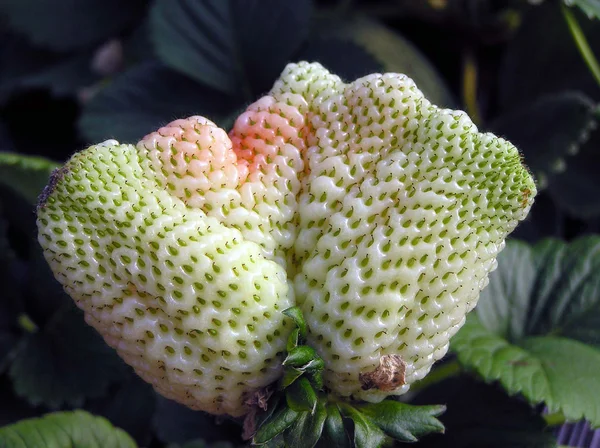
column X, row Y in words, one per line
column 64, row 429
column 590, row 7
column 536, row 326
column 9, row 333
column 55, row 359
column 145, row 98
column 12, row 407
column 25, row 174
column 543, row 58
column 235, row 47
column 562, row 160
column 25, row 66
column 482, row 415
column 175, row 423
column 571, row 116
column 65, row 25
column 129, row 405
column 392, row 52
column 64, row 362
column 326, row 50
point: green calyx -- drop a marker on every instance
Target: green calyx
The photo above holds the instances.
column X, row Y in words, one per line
column 303, row 414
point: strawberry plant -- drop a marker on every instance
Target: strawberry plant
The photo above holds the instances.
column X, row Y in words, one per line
column 242, row 223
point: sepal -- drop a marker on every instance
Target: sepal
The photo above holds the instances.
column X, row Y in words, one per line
column 295, row 314
column 302, row 415
column 301, row 397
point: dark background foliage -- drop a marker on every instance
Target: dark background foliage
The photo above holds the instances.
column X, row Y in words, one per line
column 76, row 72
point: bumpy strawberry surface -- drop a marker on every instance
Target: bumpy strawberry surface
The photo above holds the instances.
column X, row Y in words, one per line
column 376, row 212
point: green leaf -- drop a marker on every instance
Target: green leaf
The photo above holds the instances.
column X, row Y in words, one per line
column 366, row 433
column 571, row 369
column 334, row 432
column 306, row 430
column 393, row 52
column 301, row 396
column 402, row 421
column 590, row 7
column 65, row 25
column 537, row 294
column 503, row 305
column 533, row 52
column 279, row 421
column 567, row 302
column 234, row 47
column 295, row 314
column 483, row 415
column 64, row 430
column 176, row 423
column 300, row 356
column 550, row 288
column 560, row 372
column 64, row 362
column 146, row 97
column 27, row 175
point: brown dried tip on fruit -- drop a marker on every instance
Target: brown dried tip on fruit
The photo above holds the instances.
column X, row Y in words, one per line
column 55, row 178
column 388, row 376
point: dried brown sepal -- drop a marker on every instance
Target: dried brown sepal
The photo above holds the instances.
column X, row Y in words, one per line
column 389, row 375
column 259, row 400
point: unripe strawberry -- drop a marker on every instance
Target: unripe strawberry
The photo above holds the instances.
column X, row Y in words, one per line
column 377, row 213
column 192, row 304
column 403, row 213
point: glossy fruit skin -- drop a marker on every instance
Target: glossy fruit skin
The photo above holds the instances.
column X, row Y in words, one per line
column 189, row 303
column 404, row 212
column 376, row 212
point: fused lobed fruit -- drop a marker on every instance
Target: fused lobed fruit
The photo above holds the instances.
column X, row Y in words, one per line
column 403, row 213
column 376, row 212
column 191, row 304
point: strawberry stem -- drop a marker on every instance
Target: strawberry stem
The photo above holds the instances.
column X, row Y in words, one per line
column 582, row 43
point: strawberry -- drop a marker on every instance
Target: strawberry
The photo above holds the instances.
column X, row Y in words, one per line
column 402, row 216
column 191, row 304
column 379, row 214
